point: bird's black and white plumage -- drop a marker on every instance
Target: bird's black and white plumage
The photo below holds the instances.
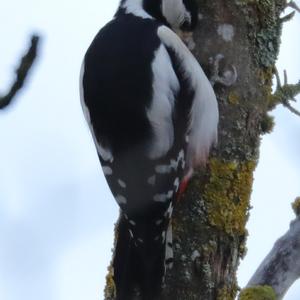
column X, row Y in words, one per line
column 153, row 116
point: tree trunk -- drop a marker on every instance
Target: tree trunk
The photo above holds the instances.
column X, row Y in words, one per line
column 209, row 221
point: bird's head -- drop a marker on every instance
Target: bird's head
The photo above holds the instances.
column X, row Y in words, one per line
column 180, row 15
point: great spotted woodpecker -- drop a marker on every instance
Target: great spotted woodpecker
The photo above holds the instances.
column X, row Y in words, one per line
column 153, row 115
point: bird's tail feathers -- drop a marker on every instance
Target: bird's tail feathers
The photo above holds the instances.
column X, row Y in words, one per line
column 140, row 261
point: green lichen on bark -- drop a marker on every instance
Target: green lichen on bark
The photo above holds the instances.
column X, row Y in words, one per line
column 284, row 94
column 258, row 293
column 296, row 206
column 233, row 98
column 227, row 194
column 267, row 124
column 265, row 26
column 227, row 293
column 110, row 289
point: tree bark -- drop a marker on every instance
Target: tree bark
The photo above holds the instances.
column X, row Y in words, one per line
column 209, row 221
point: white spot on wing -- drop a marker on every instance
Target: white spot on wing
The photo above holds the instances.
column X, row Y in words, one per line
column 107, row 170
column 132, row 222
column 151, row 180
column 163, row 236
column 165, row 85
column 176, row 184
column 121, row 199
column 169, row 211
column 187, row 139
column 163, row 197
column 169, row 249
column 165, row 169
column 122, row 183
column 105, row 153
column 131, row 233
column 170, row 194
column 204, row 113
column 158, row 222
column 160, row 198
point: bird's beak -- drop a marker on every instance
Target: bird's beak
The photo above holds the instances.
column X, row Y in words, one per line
column 187, row 38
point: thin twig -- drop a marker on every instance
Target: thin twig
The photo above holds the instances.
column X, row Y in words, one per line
column 293, row 5
column 292, row 109
column 286, row 92
column 21, row 72
column 290, row 16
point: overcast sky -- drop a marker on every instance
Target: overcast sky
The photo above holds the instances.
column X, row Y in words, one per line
column 56, row 211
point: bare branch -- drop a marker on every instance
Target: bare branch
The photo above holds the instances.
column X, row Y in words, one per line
column 288, row 17
column 278, row 80
column 285, row 93
column 281, row 268
column 285, row 77
column 293, row 5
column 21, row 72
column 292, row 109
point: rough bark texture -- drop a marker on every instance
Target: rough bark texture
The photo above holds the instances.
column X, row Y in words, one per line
column 209, row 221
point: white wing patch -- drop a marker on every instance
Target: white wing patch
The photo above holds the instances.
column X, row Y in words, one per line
column 165, row 85
column 135, row 7
column 105, row 153
column 204, row 114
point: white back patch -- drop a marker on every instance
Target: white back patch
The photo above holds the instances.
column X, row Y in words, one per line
column 165, row 86
column 204, row 114
column 135, row 7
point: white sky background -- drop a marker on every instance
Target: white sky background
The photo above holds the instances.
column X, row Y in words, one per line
column 56, row 212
